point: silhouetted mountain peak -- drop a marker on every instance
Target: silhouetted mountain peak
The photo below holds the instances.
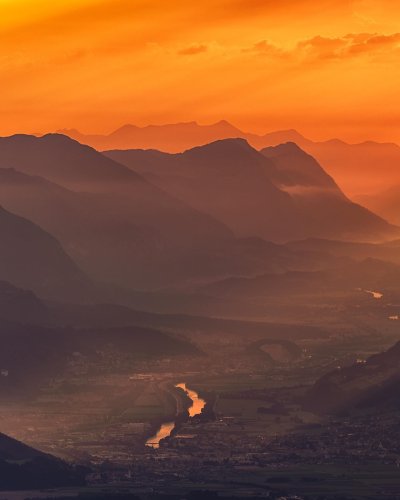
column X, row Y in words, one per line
column 227, row 127
column 59, row 138
column 223, row 147
column 224, row 123
column 51, row 138
column 61, row 159
column 128, row 127
column 289, row 147
column 296, row 167
column 280, row 190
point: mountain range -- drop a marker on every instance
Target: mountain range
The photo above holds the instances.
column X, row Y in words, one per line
column 145, row 219
column 117, row 226
column 114, row 243
column 361, row 168
column 279, row 193
column 121, row 257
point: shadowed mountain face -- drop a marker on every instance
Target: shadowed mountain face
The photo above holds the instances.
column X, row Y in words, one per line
column 227, row 179
column 281, row 193
column 319, row 198
column 109, row 245
column 294, row 168
column 32, row 258
column 370, row 384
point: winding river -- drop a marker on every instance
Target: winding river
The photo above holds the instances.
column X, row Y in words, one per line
column 166, row 428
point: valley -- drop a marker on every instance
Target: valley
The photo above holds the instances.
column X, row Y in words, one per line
column 199, row 250
column 219, row 322
column 253, row 420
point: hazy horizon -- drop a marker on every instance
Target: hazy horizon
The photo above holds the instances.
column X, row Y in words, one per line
column 260, row 131
column 266, row 66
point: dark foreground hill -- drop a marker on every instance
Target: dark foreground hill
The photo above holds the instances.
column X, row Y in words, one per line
column 23, row 467
column 369, row 385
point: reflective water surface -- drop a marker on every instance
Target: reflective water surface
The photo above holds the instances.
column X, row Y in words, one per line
column 165, row 430
column 197, row 403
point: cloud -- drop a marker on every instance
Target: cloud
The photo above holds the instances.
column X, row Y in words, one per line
column 320, row 48
column 374, row 43
column 264, row 47
column 348, row 45
column 193, row 50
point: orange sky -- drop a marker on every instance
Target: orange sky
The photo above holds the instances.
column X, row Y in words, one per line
column 327, row 68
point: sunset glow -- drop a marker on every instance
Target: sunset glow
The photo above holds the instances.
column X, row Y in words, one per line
column 200, row 249
column 327, row 68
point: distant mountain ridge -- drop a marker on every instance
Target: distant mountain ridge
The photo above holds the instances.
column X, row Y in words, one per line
column 174, row 137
